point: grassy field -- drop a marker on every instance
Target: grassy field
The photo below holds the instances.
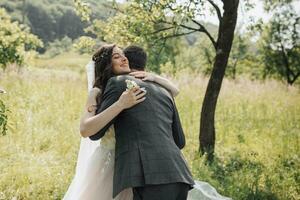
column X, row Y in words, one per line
column 257, row 125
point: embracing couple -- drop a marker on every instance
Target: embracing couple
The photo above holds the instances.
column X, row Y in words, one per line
column 133, row 114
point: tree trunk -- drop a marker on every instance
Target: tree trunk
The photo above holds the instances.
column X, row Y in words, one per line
column 224, row 43
column 288, row 72
column 295, row 78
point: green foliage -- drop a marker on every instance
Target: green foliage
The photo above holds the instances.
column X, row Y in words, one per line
column 281, row 44
column 15, row 40
column 3, row 118
column 58, row 21
column 167, row 68
column 85, row 45
column 189, row 58
column 51, row 20
column 83, row 10
column 273, row 4
column 134, row 25
column 199, row 58
column 59, row 46
column 238, row 53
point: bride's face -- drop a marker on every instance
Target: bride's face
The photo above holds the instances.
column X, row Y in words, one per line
column 119, row 62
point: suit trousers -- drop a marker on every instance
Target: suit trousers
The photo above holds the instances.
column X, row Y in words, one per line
column 171, row 191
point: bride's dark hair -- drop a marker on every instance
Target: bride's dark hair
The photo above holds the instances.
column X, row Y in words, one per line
column 103, row 68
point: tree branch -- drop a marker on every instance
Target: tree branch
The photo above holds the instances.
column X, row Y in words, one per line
column 160, row 50
column 204, row 30
column 189, row 28
column 178, row 34
column 286, row 63
column 200, row 29
column 295, row 77
column 217, row 9
column 163, row 29
column 174, row 35
column 294, row 35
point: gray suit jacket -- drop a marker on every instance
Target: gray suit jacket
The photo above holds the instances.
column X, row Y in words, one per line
column 146, row 152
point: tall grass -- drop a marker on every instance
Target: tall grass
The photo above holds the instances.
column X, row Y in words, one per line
column 66, row 61
column 39, row 151
column 258, row 132
column 257, row 126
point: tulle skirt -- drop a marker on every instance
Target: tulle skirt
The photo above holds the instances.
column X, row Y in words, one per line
column 204, row 191
column 96, row 182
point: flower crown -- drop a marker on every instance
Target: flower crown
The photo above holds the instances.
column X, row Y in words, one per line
column 101, row 56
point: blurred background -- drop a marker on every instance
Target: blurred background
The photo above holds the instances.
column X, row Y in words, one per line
column 245, row 53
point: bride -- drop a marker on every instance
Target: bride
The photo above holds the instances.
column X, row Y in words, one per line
column 93, row 178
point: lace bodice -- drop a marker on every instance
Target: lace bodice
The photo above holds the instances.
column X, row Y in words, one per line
column 108, row 140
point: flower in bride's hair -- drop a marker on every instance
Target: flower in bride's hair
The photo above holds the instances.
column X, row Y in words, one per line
column 104, row 54
column 98, row 58
column 130, row 84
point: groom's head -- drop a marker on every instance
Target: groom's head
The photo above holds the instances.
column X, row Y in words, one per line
column 136, row 56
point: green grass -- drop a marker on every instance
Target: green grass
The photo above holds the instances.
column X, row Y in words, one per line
column 258, row 129
column 39, row 151
column 66, row 61
column 257, row 126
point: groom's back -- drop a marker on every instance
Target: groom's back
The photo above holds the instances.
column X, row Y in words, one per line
column 145, row 149
column 147, row 124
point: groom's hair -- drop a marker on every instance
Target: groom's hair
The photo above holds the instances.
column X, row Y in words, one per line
column 136, row 56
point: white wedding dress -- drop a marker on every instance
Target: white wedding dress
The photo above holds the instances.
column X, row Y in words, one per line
column 96, row 181
column 93, row 179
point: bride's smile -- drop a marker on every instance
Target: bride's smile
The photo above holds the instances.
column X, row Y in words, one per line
column 120, row 63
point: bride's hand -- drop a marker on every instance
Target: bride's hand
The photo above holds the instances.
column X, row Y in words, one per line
column 131, row 97
column 145, row 76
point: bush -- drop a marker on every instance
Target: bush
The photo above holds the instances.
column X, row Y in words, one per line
column 59, row 46
column 3, row 118
column 15, row 40
column 85, row 45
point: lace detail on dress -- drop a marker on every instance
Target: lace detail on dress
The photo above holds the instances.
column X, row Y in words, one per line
column 108, row 141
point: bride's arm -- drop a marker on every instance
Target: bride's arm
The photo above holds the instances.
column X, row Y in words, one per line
column 91, row 123
column 166, row 83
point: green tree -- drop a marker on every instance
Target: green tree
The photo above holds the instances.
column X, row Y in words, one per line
column 238, row 53
column 58, row 21
column 281, row 44
column 134, row 25
column 85, row 44
column 51, row 20
column 184, row 21
column 59, row 46
column 148, row 22
column 15, row 40
column 83, row 10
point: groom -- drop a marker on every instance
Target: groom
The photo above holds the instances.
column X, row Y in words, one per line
column 146, row 156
